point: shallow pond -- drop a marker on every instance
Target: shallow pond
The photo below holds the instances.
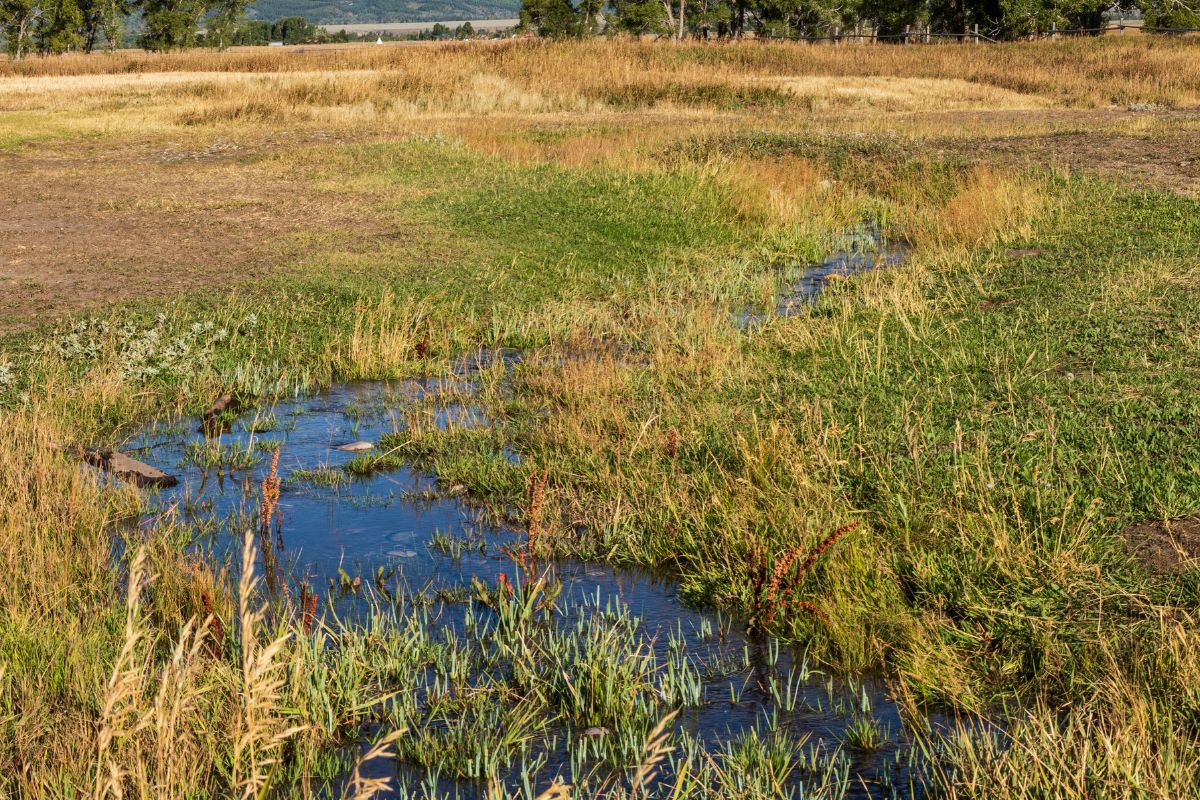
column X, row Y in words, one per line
column 403, row 536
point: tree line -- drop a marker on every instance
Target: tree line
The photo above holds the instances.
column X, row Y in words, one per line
column 56, row 26
column 47, row 27
column 998, row 19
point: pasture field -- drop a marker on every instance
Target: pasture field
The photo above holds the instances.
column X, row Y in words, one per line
column 973, row 476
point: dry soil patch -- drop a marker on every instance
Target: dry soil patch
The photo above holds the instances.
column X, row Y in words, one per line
column 88, row 225
column 1166, row 546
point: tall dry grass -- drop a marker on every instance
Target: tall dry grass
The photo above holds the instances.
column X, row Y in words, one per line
column 1136, row 738
column 362, row 787
column 1088, row 73
column 150, row 740
column 389, row 332
column 141, row 705
column 988, row 204
column 147, row 744
column 261, row 728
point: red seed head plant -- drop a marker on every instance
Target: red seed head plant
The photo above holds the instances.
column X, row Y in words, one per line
column 756, row 562
column 266, row 512
column 308, row 608
column 773, row 597
column 536, row 499
column 825, row 544
column 270, row 494
column 216, row 626
column 423, row 347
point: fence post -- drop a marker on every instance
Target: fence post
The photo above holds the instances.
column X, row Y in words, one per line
column 906, row 29
column 836, row 40
column 975, row 35
column 1054, row 31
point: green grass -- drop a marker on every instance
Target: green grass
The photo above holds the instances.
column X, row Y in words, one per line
column 993, row 420
column 523, row 235
column 996, row 442
column 994, row 448
column 319, row 476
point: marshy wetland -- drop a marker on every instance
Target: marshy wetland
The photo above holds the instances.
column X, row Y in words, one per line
column 604, row 652
column 653, row 506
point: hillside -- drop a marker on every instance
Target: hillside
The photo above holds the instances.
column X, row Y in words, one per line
column 324, row 12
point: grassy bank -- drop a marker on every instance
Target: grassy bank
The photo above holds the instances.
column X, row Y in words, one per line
column 995, row 414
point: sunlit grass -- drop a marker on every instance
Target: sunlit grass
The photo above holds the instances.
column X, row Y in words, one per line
column 992, row 419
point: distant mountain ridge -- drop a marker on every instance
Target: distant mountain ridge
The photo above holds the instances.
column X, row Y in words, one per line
column 331, row 12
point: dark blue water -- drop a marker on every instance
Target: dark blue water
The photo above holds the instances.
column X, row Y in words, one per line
column 425, row 536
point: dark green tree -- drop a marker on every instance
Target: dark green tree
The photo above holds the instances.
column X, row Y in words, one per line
column 171, row 24
column 18, row 21
column 554, row 18
column 60, row 27
column 224, row 16
column 893, row 17
column 1172, row 13
column 961, row 16
column 110, row 19
column 709, row 18
column 293, row 30
column 591, row 16
column 800, row 17
column 1019, row 18
column 252, row 32
column 642, row 17
column 93, row 19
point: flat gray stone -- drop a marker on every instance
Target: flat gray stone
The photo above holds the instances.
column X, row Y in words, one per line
column 356, row 447
column 126, row 468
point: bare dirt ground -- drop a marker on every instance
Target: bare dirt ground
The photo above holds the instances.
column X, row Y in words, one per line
column 1168, row 158
column 100, row 221
column 1165, row 547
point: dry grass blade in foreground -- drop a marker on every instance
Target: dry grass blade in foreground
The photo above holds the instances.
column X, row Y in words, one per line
column 171, row 765
column 361, row 787
column 261, row 729
column 120, row 716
